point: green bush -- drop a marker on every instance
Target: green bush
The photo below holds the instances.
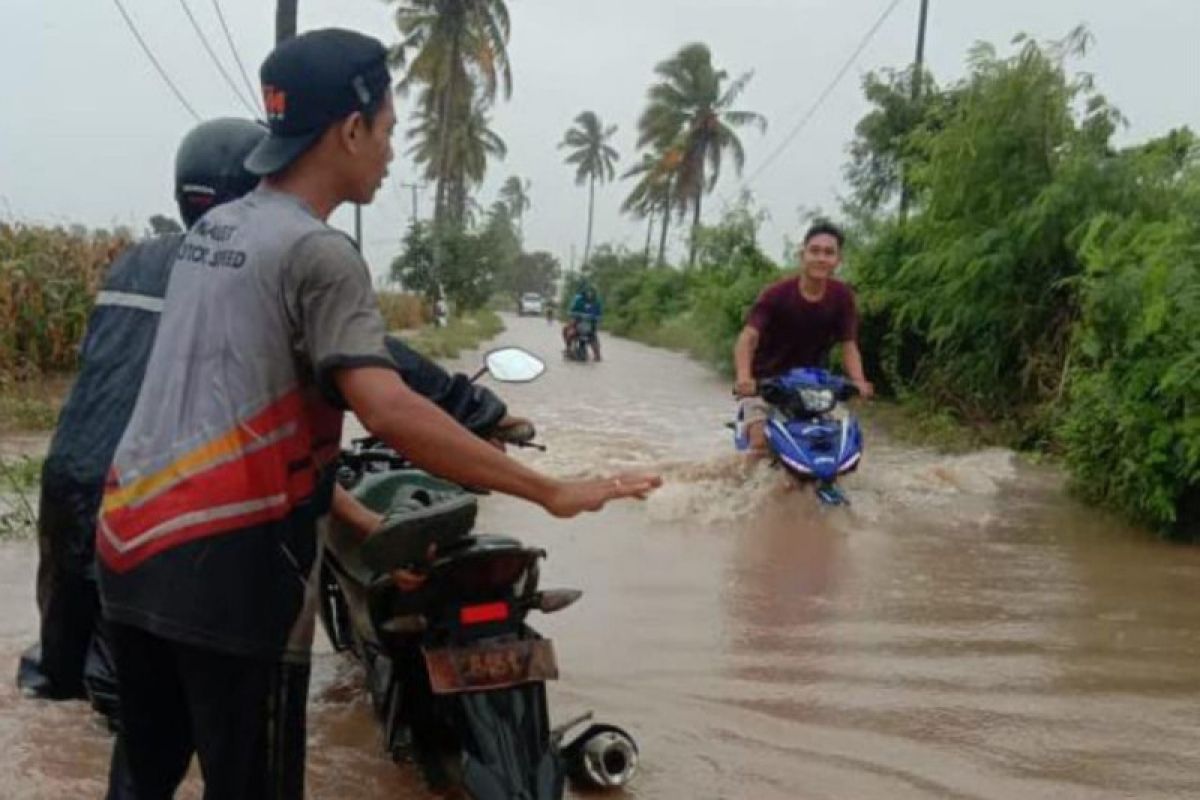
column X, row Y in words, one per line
column 1132, row 425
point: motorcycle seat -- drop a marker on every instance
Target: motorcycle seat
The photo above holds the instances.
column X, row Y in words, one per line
column 417, row 519
column 418, row 511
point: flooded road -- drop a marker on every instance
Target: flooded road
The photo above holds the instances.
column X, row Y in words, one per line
column 963, row 631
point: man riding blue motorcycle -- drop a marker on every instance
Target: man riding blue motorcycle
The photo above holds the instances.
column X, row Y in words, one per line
column 581, row 331
column 786, row 400
column 795, row 323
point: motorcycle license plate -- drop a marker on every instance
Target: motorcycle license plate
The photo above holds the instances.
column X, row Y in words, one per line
column 495, row 665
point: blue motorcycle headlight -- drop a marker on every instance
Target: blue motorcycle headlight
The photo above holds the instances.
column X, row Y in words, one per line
column 817, row 401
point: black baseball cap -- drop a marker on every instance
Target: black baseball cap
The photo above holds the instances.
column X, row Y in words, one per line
column 310, row 82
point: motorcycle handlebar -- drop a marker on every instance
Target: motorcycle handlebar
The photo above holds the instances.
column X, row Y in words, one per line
column 845, row 391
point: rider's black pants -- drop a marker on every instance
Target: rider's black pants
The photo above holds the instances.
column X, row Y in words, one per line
column 243, row 718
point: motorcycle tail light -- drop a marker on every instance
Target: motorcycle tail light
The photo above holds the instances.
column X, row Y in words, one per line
column 483, row 613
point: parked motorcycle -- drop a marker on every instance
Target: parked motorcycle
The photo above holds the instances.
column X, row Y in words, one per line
column 455, row 673
column 803, row 434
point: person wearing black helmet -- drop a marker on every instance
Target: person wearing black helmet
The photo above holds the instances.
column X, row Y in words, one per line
column 72, row 658
column 207, row 536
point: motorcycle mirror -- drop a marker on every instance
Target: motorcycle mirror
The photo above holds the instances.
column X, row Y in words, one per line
column 513, row 365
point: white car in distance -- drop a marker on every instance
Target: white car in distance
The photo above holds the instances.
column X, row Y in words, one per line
column 530, row 303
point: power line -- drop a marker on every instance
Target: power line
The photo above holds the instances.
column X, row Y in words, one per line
column 146, row 49
column 237, row 58
column 220, row 67
column 795, row 131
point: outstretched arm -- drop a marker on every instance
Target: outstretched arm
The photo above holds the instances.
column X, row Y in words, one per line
column 433, row 441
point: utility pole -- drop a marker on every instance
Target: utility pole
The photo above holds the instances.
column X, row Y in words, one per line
column 919, row 66
column 917, row 80
column 285, row 20
column 416, row 187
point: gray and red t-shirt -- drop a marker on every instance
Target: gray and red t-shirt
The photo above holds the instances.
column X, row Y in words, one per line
column 797, row 332
column 207, row 531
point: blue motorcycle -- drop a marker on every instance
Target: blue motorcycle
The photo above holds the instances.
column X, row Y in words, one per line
column 802, row 434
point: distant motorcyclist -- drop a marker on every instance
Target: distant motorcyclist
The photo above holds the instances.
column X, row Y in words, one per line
column 585, row 306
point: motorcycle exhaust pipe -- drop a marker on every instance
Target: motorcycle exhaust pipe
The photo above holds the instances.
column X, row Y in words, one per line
column 602, row 757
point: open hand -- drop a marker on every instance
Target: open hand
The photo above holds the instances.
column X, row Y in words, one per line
column 574, row 497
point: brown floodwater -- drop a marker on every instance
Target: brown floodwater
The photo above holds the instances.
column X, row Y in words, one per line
column 965, row 630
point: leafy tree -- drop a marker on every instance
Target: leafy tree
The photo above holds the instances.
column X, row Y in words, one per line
column 466, row 275
column 593, row 159
column 536, row 272
column 885, row 140
column 503, row 244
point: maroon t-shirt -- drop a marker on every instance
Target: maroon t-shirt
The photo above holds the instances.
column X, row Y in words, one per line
column 795, row 332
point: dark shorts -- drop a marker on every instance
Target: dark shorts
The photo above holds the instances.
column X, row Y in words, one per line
column 242, row 717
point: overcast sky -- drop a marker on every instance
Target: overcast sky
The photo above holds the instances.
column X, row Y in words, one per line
column 88, row 129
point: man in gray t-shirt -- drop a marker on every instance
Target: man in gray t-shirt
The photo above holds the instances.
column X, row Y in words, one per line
column 207, row 532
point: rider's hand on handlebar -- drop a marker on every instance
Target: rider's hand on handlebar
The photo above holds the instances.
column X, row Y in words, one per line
column 866, row 389
column 745, row 387
column 574, row 497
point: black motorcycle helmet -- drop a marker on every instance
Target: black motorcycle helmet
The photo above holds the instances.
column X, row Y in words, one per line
column 208, row 165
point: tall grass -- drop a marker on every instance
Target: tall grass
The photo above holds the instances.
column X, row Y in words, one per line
column 48, row 281
column 402, row 310
column 464, row 332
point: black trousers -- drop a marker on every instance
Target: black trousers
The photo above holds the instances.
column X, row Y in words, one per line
column 242, row 717
column 66, row 587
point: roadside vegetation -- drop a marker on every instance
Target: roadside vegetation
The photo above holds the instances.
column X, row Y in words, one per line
column 464, row 332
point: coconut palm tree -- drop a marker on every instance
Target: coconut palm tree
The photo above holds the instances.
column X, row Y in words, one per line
column 458, row 159
column 692, row 107
column 452, row 48
column 593, row 159
column 515, row 193
column 651, row 195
